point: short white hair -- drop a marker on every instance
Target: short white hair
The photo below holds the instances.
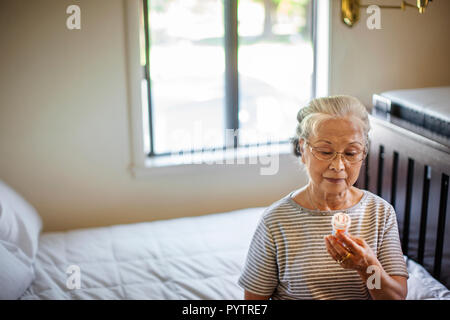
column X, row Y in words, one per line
column 333, row 107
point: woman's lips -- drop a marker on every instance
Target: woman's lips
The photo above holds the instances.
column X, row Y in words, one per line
column 335, row 180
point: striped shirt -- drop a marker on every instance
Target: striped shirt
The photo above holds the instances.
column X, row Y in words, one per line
column 288, row 259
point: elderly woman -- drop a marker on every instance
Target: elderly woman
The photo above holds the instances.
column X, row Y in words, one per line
column 293, row 254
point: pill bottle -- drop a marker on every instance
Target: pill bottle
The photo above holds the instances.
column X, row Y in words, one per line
column 340, row 223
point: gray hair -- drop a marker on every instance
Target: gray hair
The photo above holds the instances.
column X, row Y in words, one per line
column 320, row 109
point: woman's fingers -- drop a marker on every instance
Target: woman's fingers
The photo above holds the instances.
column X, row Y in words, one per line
column 359, row 241
column 337, row 248
column 331, row 250
column 353, row 246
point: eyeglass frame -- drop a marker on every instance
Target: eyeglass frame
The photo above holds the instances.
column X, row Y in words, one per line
column 335, row 153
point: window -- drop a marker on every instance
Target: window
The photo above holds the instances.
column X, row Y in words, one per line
column 224, row 73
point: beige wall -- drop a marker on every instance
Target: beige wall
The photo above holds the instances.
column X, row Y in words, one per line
column 64, row 134
column 410, row 51
column 64, row 130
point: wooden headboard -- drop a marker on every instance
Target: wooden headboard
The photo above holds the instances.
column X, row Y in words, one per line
column 411, row 172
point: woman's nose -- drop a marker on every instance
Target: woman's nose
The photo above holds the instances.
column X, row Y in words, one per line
column 338, row 162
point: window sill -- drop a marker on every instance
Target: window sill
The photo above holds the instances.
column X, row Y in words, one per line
column 260, row 157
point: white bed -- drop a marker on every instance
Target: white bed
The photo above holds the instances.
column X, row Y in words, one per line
column 418, row 109
column 187, row 258
column 434, row 101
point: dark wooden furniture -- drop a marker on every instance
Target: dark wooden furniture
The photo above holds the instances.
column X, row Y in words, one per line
column 411, row 171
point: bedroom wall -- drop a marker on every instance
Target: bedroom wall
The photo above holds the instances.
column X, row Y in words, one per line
column 64, row 134
column 409, row 51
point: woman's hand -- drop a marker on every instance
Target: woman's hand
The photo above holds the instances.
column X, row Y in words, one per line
column 354, row 252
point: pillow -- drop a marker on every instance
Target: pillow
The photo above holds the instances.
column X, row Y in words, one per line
column 16, row 274
column 20, row 224
column 422, row 285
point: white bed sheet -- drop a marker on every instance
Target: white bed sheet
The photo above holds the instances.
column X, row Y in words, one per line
column 186, row 258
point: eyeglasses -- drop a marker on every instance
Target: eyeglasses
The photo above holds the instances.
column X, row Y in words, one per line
column 325, row 154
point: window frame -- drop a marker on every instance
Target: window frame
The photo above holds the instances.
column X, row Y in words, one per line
column 139, row 159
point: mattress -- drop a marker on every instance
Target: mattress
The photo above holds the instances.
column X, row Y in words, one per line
column 428, row 108
column 186, row 258
column 198, row 258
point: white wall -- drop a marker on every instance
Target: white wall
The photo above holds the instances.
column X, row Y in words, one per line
column 410, row 51
column 64, row 130
column 64, row 133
